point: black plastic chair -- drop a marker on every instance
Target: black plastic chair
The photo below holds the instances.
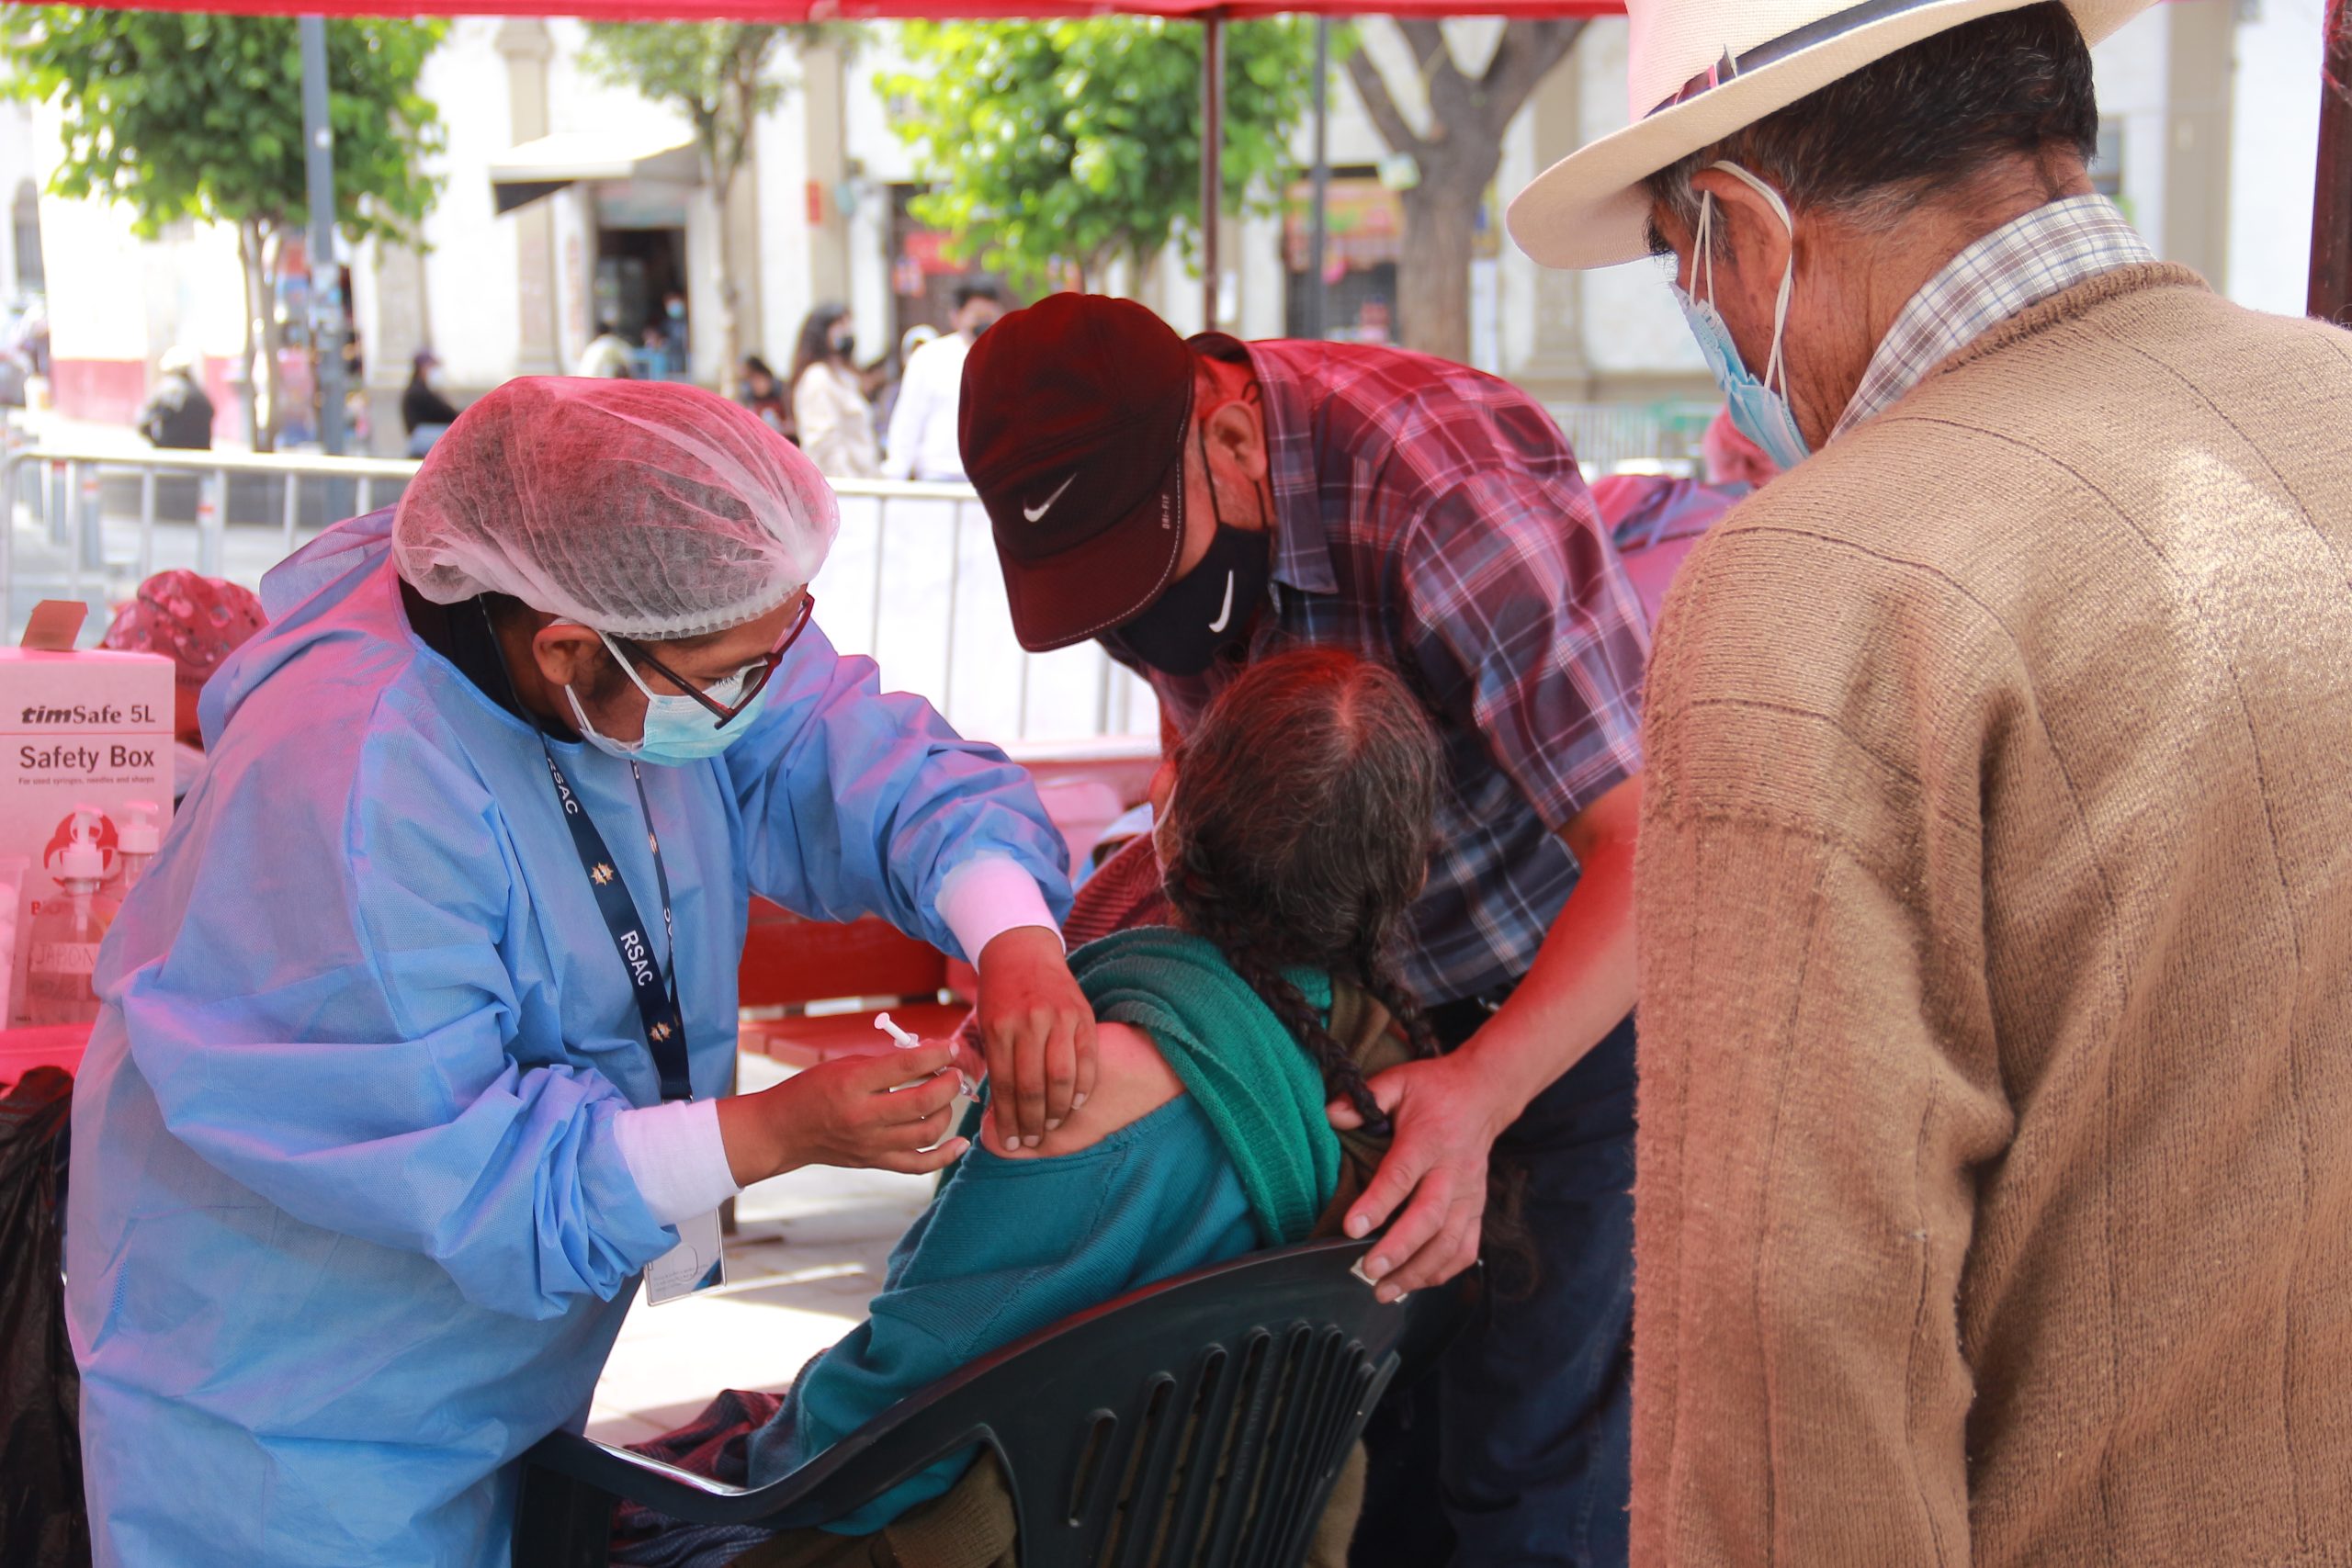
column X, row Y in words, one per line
column 1202, row 1421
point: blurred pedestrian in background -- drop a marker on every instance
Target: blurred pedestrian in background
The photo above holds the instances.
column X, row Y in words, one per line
column 828, row 407
column 923, row 423
column 764, row 395
column 1654, row 519
column 894, row 372
column 675, row 335
column 196, row 621
column 424, row 412
column 652, row 358
column 607, row 354
column 177, row 414
column 1731, row 458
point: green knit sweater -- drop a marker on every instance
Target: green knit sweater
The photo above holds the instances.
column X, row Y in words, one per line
column 1237, row 1060
column 1245, row 1159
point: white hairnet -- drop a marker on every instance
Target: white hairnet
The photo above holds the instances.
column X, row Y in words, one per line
column 644, row 509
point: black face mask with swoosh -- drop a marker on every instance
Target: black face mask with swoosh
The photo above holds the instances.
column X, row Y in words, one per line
column 1206, row 610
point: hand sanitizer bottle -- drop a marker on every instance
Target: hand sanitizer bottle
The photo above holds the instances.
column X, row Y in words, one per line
column 136, row 843
column 66, row 930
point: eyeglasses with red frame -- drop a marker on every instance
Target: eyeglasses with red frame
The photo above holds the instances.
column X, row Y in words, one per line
column 755, row 674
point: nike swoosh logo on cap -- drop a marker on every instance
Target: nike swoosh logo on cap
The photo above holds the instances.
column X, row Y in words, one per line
column 1037, row 514
column 1227, row 614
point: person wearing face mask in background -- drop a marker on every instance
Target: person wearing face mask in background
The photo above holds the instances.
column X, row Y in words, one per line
column 1198, row 506
column 416, row 1033
column 922, row 444
column 426, row 415
column 759, row 390
column 833, row 421
column 676, row 336
column 1996, row 917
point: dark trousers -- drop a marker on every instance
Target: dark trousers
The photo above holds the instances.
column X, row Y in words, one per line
column 1519, row 1452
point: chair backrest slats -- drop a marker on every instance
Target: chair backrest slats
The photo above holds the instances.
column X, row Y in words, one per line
column 1113, row 1526
column 1255, row 1397
column 1196, row 1424
column 1088, row 1471
column 1332, row 1436
column 1303, row 1459
column 1147, row 1505
column 1285, row 1458
column 1205, row 1452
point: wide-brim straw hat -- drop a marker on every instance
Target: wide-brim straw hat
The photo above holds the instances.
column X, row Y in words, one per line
column 1698, row 70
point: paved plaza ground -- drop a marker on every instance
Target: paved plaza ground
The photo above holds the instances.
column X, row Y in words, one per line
column 809, row 1253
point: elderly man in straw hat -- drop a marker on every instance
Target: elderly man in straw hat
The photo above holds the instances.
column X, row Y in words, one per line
column 1995, row 1194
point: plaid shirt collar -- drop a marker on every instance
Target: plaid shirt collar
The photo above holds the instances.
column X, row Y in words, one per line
column 2018, row 266
column 1302, row 547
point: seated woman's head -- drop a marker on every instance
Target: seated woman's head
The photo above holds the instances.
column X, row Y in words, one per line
column 1295, row 824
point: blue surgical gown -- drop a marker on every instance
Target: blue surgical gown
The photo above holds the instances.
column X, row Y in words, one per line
column 349, row 1228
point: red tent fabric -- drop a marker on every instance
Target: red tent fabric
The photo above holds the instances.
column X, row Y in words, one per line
column 862, row 10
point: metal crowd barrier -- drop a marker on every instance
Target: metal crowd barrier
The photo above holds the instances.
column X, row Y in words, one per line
column 912, row 578
column 64, row 490
column 1611, row 436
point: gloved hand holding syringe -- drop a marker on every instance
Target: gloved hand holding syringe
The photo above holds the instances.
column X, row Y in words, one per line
column 907, row 1041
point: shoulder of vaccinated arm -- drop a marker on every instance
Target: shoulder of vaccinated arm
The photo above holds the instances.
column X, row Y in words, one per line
column 1134, row 1081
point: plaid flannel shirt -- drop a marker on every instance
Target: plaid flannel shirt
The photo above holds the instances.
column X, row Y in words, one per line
column 2016, row 267
column 1434, row 519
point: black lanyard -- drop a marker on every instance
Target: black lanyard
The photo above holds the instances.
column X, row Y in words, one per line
column 657, row 995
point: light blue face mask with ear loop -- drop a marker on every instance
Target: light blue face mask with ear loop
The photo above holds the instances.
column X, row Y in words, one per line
column 1759, row 410
column 678, row 730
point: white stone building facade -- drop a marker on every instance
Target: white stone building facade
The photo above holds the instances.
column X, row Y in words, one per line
column 2210, row 117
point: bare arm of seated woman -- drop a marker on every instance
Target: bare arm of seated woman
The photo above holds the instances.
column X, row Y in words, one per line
column 1134, row 1081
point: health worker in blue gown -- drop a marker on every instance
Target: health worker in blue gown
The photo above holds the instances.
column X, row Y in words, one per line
column 415, row 1034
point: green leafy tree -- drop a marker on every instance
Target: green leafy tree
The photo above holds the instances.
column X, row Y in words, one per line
column 1055, row 146
column 184, row 116
column 722, row 77
column 1454, row 159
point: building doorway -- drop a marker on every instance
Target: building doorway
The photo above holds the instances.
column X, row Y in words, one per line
column 639, row 268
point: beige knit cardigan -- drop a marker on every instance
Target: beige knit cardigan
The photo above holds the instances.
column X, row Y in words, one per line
column 1995, row 1201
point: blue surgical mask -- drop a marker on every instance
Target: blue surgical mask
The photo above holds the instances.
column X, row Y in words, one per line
column 1759, row 410
column 678, row 730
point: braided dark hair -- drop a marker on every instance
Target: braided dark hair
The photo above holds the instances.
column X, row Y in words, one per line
column 1299, row 834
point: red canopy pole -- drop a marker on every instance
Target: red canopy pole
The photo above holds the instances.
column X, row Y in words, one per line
column 1212, row 157
column 2331, row 285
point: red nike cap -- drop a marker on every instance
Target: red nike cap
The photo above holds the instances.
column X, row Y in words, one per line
column 1072, row 425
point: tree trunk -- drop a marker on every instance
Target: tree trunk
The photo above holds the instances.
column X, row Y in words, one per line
column 1457, row 157
column 1433, row 265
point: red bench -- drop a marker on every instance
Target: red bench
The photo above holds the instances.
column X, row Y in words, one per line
column 850, row 972
column 790, row 964
column 49, row 1045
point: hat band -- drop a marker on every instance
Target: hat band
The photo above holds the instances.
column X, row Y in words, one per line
column 1773, row 50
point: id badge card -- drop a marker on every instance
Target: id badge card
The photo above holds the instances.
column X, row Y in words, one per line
column 697, row 1264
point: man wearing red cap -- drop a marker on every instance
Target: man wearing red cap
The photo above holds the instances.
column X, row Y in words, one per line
column 1197, row 506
